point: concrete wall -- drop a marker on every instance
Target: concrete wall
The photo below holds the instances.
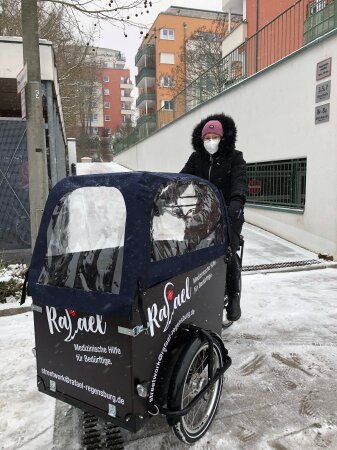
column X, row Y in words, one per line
column 234, row 39
column 11, row 51
column 275, row 116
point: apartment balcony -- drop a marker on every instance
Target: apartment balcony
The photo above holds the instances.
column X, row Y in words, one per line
column 143, row 53
column 150, row 119
column 322, row 18
column 128, row 85
column 127, row 99
column 146, row 74
column 234, row 39
column 148, row 98
column 127, row 112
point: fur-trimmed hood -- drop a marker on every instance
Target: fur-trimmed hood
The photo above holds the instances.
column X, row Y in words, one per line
column 227, row 142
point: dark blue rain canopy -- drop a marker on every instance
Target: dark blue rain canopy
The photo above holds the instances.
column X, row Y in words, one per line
column 103, row 236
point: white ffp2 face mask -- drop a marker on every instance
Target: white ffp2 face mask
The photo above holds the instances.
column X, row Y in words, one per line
column 212, row 145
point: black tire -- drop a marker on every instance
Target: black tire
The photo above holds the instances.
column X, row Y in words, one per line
column 189, row 377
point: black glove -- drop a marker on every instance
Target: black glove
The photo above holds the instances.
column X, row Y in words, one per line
column 235, row 210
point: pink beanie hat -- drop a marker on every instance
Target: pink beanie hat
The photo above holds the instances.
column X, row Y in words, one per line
column 212, row 126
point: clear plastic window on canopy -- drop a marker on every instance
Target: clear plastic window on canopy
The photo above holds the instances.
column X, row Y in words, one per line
column 86, row 241
column 186, row 217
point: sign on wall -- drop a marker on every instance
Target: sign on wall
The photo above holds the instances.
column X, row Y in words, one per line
column 323, row 69
column 323, row 91
column 322, row 113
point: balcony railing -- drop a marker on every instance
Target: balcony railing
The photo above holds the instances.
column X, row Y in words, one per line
column 148, row 96
column 150, row 119
column 128, row 86
column 322, row 18
column 145, row 72
column 288, row 32
column 148, row 50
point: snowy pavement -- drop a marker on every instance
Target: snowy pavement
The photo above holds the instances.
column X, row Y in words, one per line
column 262, row 247
column 280, row 392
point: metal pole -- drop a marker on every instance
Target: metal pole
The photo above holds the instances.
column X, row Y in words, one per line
column 59, row 147
column 51, row 134
column 257, row 36
column 36, row 147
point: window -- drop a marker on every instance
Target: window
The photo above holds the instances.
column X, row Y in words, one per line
column 168, row 105
column 122, row 93
column 277, row 183
column 166, row 81
column 105, row 65
column 93, row 117
column 106, row 104
column 167, row 33
column 107, row 117
column 106, row 78
column 123, row 105
column 186, row 217
column 167, row 58
column 316, row 6
column 86, row 241
column 107, row 131
column 106, row 91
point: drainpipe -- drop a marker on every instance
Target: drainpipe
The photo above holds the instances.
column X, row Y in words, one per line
column 185, row 52
column 256, row 35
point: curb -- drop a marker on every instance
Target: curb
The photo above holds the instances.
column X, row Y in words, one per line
column 13, row 311
column 291, row 269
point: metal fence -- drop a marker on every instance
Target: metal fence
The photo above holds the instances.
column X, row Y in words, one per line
column 298, row 25
column 14, row 195
column 278, row 183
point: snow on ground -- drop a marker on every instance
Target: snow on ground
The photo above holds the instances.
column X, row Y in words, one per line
column 26, row 416
column 280, row 392
column 262, row 247
column 99, row 167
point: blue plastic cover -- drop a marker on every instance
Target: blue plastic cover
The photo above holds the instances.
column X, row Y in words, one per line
column 101, row 236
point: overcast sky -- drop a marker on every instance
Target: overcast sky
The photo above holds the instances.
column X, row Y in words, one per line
column 112, row 37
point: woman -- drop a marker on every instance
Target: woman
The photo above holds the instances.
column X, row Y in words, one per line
column 216, row 159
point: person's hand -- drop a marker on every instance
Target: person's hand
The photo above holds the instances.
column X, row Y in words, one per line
column 235, row 210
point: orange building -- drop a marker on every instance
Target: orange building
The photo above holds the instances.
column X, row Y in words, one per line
column 157, row 57
column 271, row 30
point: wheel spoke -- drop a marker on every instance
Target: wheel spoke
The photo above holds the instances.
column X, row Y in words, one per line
column 196, row 379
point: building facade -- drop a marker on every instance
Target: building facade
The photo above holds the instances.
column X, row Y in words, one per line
column 15, row 233
column 285, row 115
column 157, row 58
column 112, row 106
column 271, row 30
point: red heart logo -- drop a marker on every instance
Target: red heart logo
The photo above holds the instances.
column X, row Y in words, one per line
column 72, row 312
column 170, row 294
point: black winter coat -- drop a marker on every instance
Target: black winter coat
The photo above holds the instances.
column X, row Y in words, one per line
column 226, row 168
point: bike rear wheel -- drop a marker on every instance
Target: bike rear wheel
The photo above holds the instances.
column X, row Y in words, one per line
column 189, row 378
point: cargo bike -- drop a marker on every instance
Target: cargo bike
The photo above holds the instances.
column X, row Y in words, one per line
column 128, row 280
